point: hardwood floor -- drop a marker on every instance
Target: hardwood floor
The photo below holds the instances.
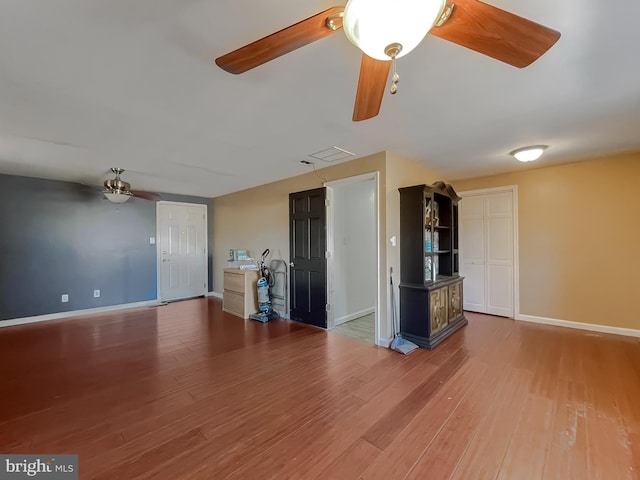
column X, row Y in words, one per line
column 186, row 392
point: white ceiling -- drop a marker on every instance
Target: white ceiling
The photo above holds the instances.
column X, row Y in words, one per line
column 90, row 84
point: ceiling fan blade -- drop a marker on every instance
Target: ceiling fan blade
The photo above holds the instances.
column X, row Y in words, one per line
column 371, row 84
column 146, row 195
column 284, row 41
column 496, row 33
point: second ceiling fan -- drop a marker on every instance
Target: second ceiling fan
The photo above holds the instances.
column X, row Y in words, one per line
column 386, row 30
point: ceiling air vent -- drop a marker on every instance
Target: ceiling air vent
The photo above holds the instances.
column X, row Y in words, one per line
column 332, row 154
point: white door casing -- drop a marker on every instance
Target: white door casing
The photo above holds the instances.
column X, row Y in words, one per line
column 489, row 251
column 182, row 250
column 331, row 267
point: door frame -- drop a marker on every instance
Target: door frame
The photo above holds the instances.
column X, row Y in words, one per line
column 372, row 176
column 159, row 250
column 513, row 190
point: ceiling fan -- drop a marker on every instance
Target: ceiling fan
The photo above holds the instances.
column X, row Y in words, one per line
column 385, row 31
column 117, row 190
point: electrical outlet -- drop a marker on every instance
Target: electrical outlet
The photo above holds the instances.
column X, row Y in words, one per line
column 96, row 294
column 65, row 298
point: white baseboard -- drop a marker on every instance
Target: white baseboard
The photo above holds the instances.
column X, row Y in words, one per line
column 383, row 342
column 353, row 316
column 629, row 332
column 75, row 313
column 214, row 294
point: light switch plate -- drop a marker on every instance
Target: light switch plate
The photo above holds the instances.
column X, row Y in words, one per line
column 152, row 240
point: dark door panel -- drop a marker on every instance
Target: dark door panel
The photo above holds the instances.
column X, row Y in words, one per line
column 307, row 237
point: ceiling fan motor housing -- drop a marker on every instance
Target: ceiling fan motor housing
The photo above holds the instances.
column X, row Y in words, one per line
column 117, row 185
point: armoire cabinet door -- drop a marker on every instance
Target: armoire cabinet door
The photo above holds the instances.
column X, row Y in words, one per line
column 455, row 301
column 438, row 309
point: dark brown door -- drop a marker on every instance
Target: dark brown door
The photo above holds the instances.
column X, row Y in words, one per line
column 307, row 246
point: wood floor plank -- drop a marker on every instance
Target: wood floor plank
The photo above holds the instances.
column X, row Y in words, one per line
column 486, row 450
column 186, row 391
column 387, row 428
column 156, row 456
column 567, row 456
column 529, row 444
column 634, row 447
column 376, row 379
column 443, row 455
column 352, row 463
column 406, row 448
column 608, row 438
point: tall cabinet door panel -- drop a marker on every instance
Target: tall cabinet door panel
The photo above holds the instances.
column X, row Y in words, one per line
column 454, row 301
column 438, row 309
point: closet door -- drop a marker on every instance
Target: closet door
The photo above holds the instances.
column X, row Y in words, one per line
column 473, row 249
column 488, row 253
column 499, row 264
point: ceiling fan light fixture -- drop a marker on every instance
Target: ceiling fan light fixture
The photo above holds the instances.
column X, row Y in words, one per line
column 373, row 25
column 116, row 196
column 528, row 154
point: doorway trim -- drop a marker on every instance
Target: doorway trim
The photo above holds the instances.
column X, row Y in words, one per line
column 365, row 177
column 513, row 190
column 159, row 250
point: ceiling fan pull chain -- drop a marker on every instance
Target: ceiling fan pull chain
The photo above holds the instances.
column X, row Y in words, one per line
column 394, row 78
column 392, row 50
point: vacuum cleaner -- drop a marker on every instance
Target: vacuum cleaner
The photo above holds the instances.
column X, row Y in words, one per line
column 265, row 282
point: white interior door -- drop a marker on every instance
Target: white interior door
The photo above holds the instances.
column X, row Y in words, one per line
column 473, row 254
column 487, row 252
column 182, row 247
column 499, row 270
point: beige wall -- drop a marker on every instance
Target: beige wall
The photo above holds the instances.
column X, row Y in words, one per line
column 258, row 218
column 579, row 239
column 400, row 173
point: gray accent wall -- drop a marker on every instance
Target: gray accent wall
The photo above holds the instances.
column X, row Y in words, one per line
column 62, row 237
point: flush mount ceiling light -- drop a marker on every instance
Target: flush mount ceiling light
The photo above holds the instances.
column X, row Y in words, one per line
column 384, row 29
column 529, row 154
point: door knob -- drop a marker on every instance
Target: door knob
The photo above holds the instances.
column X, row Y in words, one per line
column 291, row 264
